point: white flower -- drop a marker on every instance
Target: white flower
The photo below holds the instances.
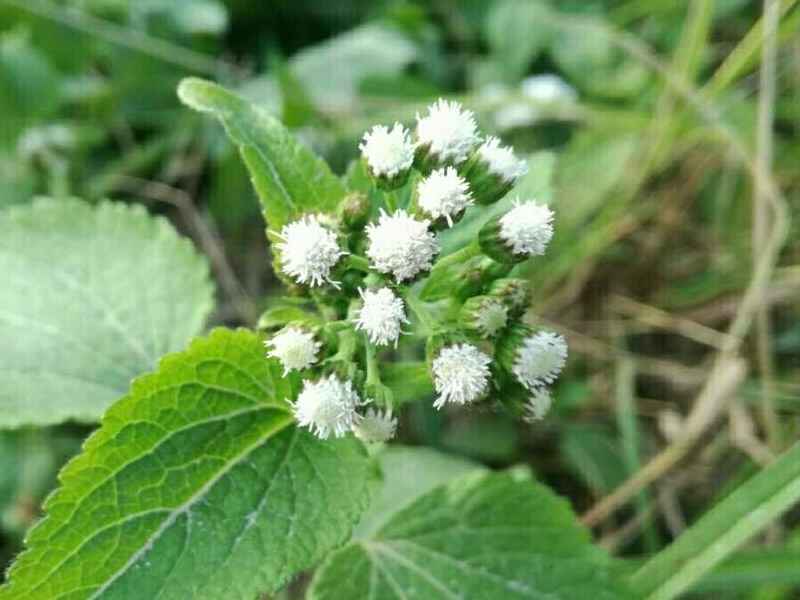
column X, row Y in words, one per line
column 381, row 316
column 547, row 89
column 376, row 426
column 327, row 406
column 492, row 318
column 387, row 151
column 308, row 251
column 294, row 348
column 527, row 228
column 401, row 245
column 449, row 131
column 460, row 374
column 540, row 358
column 515, row 114
column 538, row 405
column 501, row 160
column 444, row 193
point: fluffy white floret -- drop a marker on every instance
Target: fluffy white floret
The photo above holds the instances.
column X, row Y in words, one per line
column 376, row 426
column 539, row 359
column 294, row 348
column 381, row 316
column 538, row 405
column 327, row 406
column 501, row 160
column 308, row 251
column 401, row 245
column 388, row 152
column 444, row 193
column 449, row 130
column 460, row 374
column 527, row 228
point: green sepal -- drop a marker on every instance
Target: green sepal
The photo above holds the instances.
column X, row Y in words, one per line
column 513, row 292
column 483, row 316
column 493, row 245
column 486, row 187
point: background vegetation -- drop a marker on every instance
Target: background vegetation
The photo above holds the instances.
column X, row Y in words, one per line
column 671, row 138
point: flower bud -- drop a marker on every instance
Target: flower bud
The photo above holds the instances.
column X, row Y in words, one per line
column 522, row 232
column 354, row 211
column 535, row 359
column 492, row 171
column 484, row 316
column 376, row 426
column 445, row 136
column 476, row 273
column 513, row 293
column 295, row 347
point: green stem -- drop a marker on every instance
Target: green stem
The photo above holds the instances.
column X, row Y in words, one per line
column 359, row 263
column 459, row 256
column 371, row 359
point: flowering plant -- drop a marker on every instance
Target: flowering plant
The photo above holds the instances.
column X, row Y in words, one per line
column 250, row 457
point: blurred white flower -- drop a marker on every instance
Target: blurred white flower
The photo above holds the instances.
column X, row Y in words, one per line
column 540, row 358
column 527, row 228
column 376, row 426
column 460, row 374
column 401, row 245
column 294, row 348
column 444, row 193
column 501, row 160
column 449, row 130
column 327, row 406
column 538, row 405
column 548, row 89
column 388, row 152
column 308, row 251
column 381, row 316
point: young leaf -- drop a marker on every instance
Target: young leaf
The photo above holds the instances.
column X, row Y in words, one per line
column 287, row 176
column 197, row 485
column 747, row 510
column 91, row 297
column 480, row 536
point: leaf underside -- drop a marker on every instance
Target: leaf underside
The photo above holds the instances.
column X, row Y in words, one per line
column 197, row 485
column 91, row 297
column 480, row 536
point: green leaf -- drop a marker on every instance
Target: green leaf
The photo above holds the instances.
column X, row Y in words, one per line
column 289, row 179
column 722, row 530
column 482, row 535
column 197, row 485
column 408, row 473
column 91, row 298
column 517, row 31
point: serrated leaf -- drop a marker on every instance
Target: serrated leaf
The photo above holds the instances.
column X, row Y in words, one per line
column 481, row 536
column 287, row 176
column 197, row 485
column 91, row 298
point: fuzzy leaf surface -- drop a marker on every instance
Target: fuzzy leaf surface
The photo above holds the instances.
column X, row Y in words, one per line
column 92, row 296
column 482, row 535
column 289, row 179
column 196, row 486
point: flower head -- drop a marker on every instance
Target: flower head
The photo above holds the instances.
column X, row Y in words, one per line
column 308, row 251
column 448, row 130
column 460, row 374
column 539, row 359
column 501, row 160
column 381, row 316
column 538, row 405
column 527, row 228
column 376, row 426
column 401, row 245
column 444, row 193
column 327, row 406
column 388, row 152
column 294, row 348
column 547, row 88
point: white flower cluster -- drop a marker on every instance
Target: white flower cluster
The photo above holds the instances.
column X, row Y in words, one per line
column 401, row 245
column 388, row 152
column 309, row 251
column 444, row 193
column 392, row 245
column 527, row 228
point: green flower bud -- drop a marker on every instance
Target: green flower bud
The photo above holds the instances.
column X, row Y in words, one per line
column 513, row 293
column 484, row 316
column 535, row 359
column 476, row 274
column 492, row 171
column 354, row 211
